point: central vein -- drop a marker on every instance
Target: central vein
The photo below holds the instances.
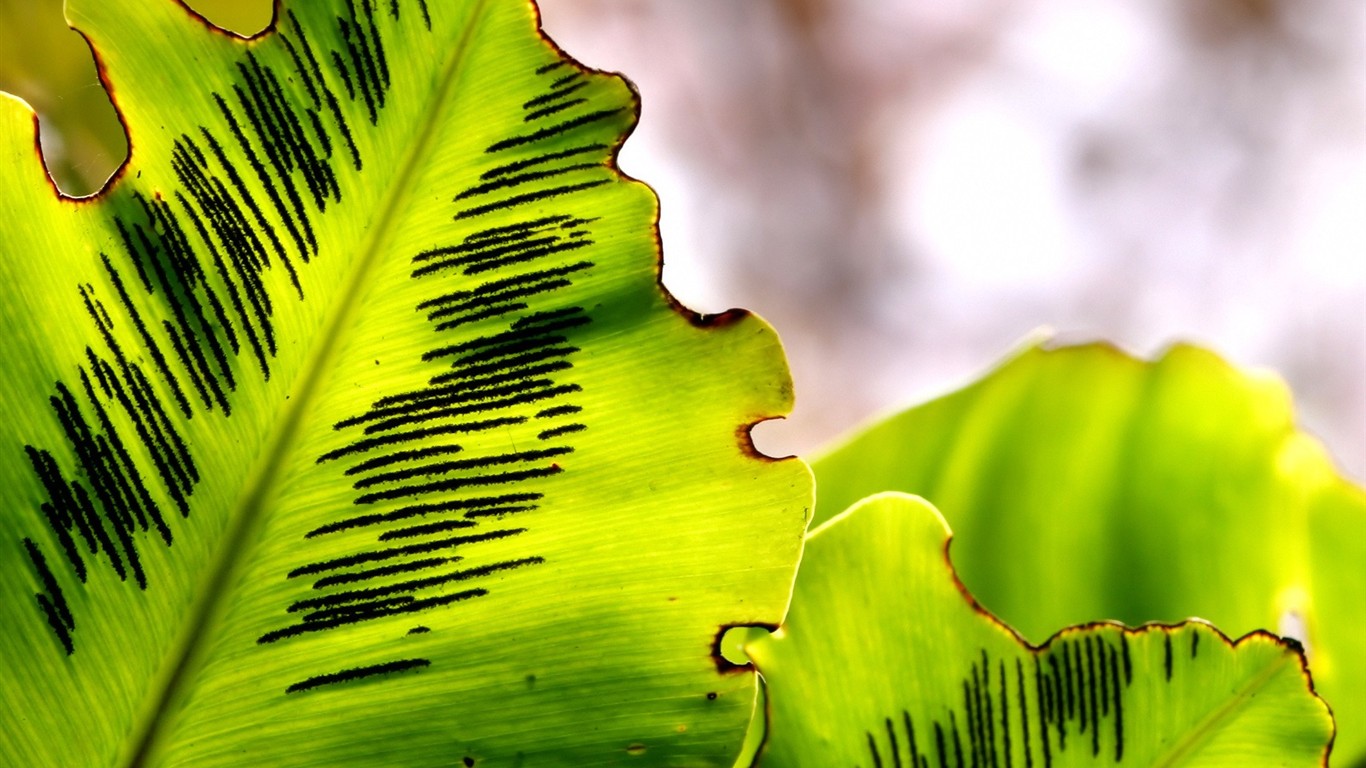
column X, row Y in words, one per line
column 1231, row 707
column 246, row 517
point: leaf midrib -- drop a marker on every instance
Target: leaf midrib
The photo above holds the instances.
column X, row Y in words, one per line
column 1202, row 732
column 245, row 518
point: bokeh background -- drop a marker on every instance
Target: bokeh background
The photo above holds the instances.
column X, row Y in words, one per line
column 909, row 188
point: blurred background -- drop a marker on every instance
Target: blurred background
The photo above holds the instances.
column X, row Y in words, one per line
column 908, row 188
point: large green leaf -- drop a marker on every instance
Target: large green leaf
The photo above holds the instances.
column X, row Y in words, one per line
column 350, row 424
column 885, row 661
column 1084, row 484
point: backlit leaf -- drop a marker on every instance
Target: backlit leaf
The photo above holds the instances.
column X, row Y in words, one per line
column 1084, row 484
column 350, row 426
column 885, row 661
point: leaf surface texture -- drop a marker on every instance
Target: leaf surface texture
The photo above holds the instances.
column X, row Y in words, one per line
column 350, row 425
column 1083, row 484
column 885, row 661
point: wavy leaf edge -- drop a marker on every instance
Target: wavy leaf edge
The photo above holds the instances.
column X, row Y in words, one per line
column 742, row 431
column 754, row 756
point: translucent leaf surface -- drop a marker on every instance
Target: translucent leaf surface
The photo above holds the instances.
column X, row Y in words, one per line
column 885, row 661
column 1084, row 484
column 350, row 426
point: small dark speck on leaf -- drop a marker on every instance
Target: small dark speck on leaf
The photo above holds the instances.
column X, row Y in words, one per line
column 531, row 681
column 636, row 749
column 711, row 696
column 468, row 761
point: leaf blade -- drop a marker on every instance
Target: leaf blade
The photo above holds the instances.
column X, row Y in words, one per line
column 886, row 659
column 276, row 207
column 1084, row 483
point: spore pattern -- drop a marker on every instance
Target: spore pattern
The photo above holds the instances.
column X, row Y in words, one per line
column 187, row 314
column 427, row 487
column 1021, row 713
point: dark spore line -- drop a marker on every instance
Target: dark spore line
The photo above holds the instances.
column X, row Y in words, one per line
column 358, row 673
column 996, row 717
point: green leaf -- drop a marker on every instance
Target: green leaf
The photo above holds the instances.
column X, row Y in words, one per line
column 1084, row 484
column 884, row 656
column 350, row 424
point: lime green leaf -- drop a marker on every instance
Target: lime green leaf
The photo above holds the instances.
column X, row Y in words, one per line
column 883, row 657
column 350, row 425
column 1084, row 484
